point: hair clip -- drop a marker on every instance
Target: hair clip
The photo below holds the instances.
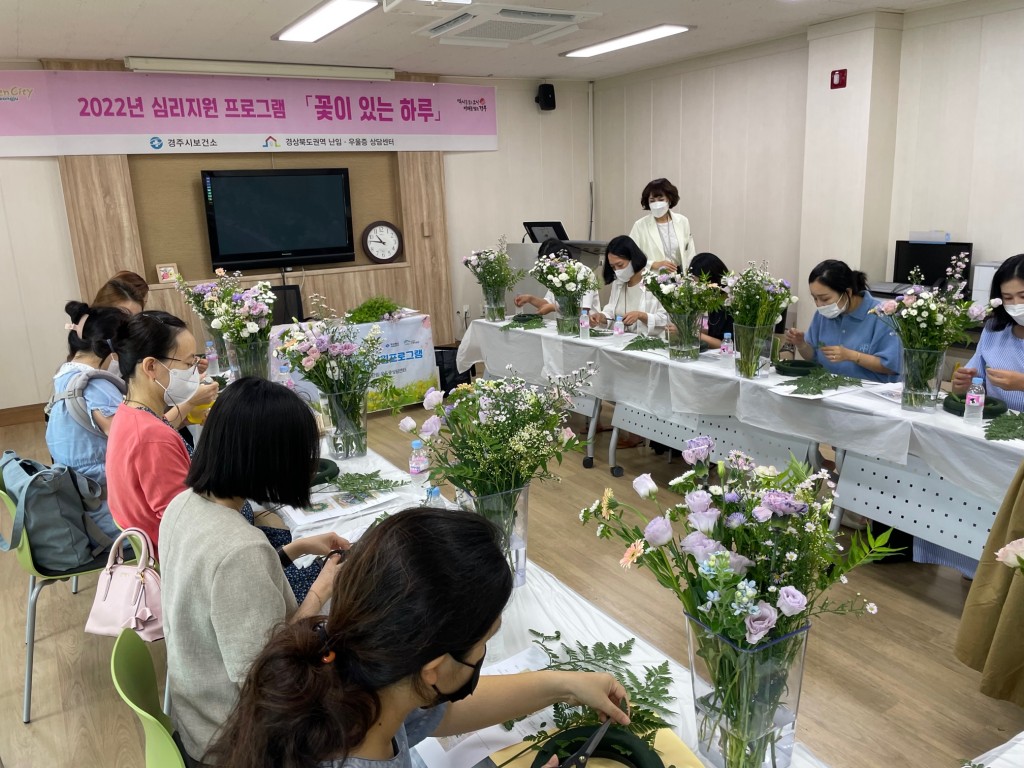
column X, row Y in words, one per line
column 328, row 657
column 77, row 327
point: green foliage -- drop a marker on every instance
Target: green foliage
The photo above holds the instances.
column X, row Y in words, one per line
column 524, row 323
column 363, row 485
column 492, row 268
column 644, row 343
column 754, row 297
column 818, row 380
column 1009, row 426
column 373, row 310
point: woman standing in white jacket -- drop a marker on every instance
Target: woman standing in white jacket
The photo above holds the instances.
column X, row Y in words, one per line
column 625, row 267
column 663, row 235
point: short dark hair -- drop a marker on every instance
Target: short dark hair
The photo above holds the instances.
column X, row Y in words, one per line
column 1012, row 268
column 662, row 186
column 624, row 247
column 260, row 442
column 124, row 286
column 710, row 265
column 98, row 332
column 838, row 276
column 552, row 245
column 423, row 583
column 147, row 334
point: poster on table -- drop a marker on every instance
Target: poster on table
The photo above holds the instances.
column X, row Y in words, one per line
column 59, row 112
column 407, row 354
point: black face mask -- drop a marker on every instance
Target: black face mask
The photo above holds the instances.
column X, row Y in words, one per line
column 468, row 687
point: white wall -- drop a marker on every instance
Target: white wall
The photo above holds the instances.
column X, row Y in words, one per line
column 38, row 278
column 540, row 172
column 960, row 136
column 728, row 131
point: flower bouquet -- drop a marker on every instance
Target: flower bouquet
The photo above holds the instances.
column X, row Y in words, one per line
column 492, row 437
column 495, row 275
column 928, row 321
column 686, row 298
column 203, row 298
column 750, row 556
column 329, row 354
column 243, row 318
column 756, row 301
column 569, row 281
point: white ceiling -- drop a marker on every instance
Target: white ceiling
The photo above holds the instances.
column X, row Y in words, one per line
column 242, row 29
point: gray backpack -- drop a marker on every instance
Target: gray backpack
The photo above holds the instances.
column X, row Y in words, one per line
column 53, row 504
column 74, row 397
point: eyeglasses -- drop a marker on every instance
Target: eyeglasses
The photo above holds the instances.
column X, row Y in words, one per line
column 190, row 362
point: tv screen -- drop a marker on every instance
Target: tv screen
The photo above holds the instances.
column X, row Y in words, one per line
column 278, row 218
column 933, row 259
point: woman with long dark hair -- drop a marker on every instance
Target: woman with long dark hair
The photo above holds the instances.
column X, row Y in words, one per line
column 625, row 267
column 397, row 659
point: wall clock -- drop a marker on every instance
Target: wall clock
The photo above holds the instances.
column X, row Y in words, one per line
column 382, row 242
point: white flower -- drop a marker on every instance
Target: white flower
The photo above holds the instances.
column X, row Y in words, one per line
column 645, row 486
column 407, row 424
column 715, row 490
column 843, row 579
column 217, row 323
column 791, row 556
column 245, row 333
column 252, row 327
column 871, row 608
column 570, row 286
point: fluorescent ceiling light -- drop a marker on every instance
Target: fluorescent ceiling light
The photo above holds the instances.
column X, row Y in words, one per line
column 324, row 19
column 255, row 69
column 626, row 41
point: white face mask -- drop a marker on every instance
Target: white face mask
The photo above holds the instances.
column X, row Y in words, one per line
column 658, row 209
column 1016, row 311
column 831, row 311
column 624, row 275
column 181, row 386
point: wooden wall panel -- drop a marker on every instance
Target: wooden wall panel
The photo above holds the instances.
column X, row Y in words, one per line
column 101, row 217
column 172, row 218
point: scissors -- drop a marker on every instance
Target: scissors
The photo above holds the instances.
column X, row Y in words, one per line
column 581, row 757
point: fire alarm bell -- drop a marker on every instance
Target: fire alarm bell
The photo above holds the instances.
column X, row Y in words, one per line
column 838, row 78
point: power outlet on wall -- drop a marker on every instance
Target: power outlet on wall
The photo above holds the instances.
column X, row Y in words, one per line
column 465, row 310
column 481, row 310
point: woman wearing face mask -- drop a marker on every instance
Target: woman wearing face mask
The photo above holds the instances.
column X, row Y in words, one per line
column 81, row 442
column 844, row 337
column 625, row 267
column 663, row 235
column 398, row 657
column 146, row 458
column 999, row 358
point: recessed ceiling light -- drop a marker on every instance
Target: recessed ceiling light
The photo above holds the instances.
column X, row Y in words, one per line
column 324, row 19
column 626, row 41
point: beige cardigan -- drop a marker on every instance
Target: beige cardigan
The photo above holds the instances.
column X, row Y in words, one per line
column 645, row 234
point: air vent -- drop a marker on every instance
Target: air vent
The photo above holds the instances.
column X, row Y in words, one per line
column 498, row 25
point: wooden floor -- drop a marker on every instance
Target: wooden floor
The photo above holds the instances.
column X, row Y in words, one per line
column 879, row 691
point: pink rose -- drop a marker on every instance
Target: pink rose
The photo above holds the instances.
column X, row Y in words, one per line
column 791, row 601
column 760, row 623
column 1012, row 554
column 888, row 307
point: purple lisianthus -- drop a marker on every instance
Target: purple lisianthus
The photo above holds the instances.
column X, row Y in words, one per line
column 698, row 450
column 236, row 297
column 783, row 503
column 761, row 514
column 334, row 350
column 704, row 521
column 791, row 601
column 430, row 427
column 347, row 349
column 645, row 487
column 735, row 520
column 739, row 563
column 433, row 399
column 658, row 532
column 731, row 497
column 698, row 501
column 760, row 623
column 976, row 312
column 699, row 545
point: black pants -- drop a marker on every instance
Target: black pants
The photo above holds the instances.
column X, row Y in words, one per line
column 190, row 762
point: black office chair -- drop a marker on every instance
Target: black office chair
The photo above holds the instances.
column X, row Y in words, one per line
column 288, row 304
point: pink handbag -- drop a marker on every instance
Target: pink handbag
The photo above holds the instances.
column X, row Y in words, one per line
column 128, row 594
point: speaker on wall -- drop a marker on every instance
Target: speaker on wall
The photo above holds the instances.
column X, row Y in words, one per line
column 545, row 97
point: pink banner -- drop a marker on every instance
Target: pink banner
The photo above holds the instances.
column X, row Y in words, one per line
column 69, row 113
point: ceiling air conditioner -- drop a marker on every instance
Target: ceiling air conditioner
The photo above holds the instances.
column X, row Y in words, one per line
column 502, row 25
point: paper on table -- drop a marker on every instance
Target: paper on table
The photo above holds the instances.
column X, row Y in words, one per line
column 891, row 392
column 327, row 506
column 471, row 748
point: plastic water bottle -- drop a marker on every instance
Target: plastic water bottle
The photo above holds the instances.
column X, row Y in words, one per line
column 212, row 360
column 419, row 463
column 434, row 498
column 618, row 328
column 726, row 350
column 974, row 402
column 584, row 324
column 283, row 374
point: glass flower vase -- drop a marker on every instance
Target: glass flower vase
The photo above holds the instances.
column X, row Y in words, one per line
column 250, row 358
column 921, row 376
column 568, row 321
column 494, row 303
column 746, row 699
column 684, row 341
column 346, row 432
column 753, row 349
column 509, row 511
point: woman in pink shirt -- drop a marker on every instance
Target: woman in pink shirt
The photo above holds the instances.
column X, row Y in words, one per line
column 147, row 460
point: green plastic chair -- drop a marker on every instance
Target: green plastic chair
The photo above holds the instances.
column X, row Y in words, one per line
column 37, row 579
column 131, row 667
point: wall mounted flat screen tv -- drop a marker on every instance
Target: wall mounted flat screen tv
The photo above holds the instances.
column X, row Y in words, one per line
column 278, row 218
column 932, row 259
